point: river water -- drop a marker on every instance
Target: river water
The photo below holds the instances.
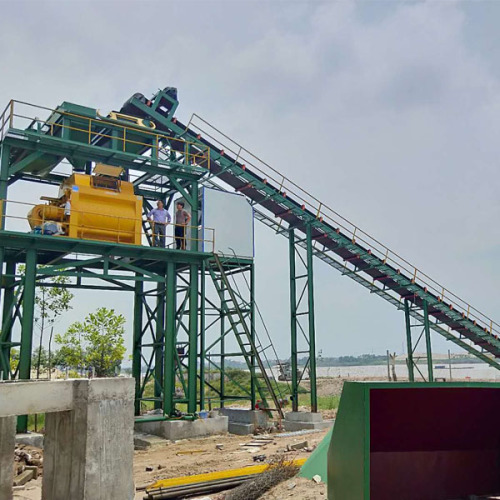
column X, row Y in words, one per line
column 465, row 371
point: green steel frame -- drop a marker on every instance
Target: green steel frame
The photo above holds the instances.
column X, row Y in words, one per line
column 180, row 299
column 173, row 341
column 425, row 332
column 302, row 317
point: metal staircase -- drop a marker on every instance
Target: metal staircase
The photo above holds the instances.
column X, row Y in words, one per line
column 236, row 313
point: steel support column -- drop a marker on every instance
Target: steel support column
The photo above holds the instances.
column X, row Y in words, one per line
column 409, row 343
column 170, row 340
column 159, row 344
column 137, row 342
column 222, row 348
column 293, row 322
column 312, row 327
column 27, row 326
column 253, row 396
column 202, row 335
column 8, row 302
column 194, row 216
column 428, row 347
column 193, row 337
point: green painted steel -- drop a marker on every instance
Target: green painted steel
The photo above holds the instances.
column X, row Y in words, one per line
column 193, row 337
column 243, row 334
column 160, row 340
column 253, row 376
column 27, row 326
column 170, row 340
column 350, row 475
column 8, row 309
column 293, row 322
column 428, row 347
column 202, row 334
column 409, row 343
column 348, row 453
column 137, row 341
column 317, row 463
column 312, row 326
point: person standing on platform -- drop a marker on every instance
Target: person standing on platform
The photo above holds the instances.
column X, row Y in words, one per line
column 160, row 219
column 182, row 219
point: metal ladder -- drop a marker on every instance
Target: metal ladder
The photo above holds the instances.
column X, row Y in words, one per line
column 243, row 335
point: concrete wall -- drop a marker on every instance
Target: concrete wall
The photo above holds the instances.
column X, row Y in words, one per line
column 88, row 448
column 7, row 445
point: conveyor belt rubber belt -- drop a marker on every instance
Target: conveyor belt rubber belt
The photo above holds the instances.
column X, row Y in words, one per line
column 233, row 172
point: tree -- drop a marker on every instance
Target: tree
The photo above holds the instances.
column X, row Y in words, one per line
column 52, row 299
column 96, row 343
column 14, row 359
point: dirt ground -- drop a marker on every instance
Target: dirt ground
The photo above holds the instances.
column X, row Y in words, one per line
column 198, row 456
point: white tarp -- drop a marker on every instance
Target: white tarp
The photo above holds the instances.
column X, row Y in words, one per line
column 231, row 216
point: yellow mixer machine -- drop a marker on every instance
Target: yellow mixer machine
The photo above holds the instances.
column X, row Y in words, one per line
column 101, row 207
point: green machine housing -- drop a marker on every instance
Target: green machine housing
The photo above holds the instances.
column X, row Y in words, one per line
column 413, row 441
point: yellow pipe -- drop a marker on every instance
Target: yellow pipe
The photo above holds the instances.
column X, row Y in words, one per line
column 212, row 476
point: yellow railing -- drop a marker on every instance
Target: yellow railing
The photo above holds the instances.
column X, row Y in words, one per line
column 120, row 233
column 17, row 116
column 324, row 213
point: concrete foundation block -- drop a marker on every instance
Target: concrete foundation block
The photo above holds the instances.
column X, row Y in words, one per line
column 89, row 450
column 34, row 439
column 240, row 429
column 185, row 429
column 292, row 426
column 144, row 441
column 7, row 446
column 303, row 416
column 240, row 415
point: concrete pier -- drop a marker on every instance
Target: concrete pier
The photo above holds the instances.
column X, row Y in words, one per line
column 242, row 421
column 7, row 445
column 300, row 420
column 88, row 445
column 183, row 429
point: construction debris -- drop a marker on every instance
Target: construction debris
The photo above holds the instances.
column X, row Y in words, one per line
column 259, row 458
column 24, row 477
column 181, row 487
column 317, row 479
column 279, row 470
column 297, row 446
column 28, row 464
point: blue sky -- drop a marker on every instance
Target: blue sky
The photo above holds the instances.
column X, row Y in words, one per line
column 387, row 111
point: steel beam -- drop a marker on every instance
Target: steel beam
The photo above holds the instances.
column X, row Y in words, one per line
column 312, row 325
column 428, row 347
column 202, row 335
column 409, row 343
column 159, row 344
column 137, row 346
column 27, row 326
column 170, row 340
column 293, row 322
column 193, row 337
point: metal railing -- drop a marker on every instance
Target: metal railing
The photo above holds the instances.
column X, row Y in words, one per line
column 111, row 228
column 324, row 213
column 19, row 115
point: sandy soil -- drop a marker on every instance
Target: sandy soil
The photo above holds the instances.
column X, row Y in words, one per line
column 174, row 459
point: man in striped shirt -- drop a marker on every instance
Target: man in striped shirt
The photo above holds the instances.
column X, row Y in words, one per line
column 160, row 219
